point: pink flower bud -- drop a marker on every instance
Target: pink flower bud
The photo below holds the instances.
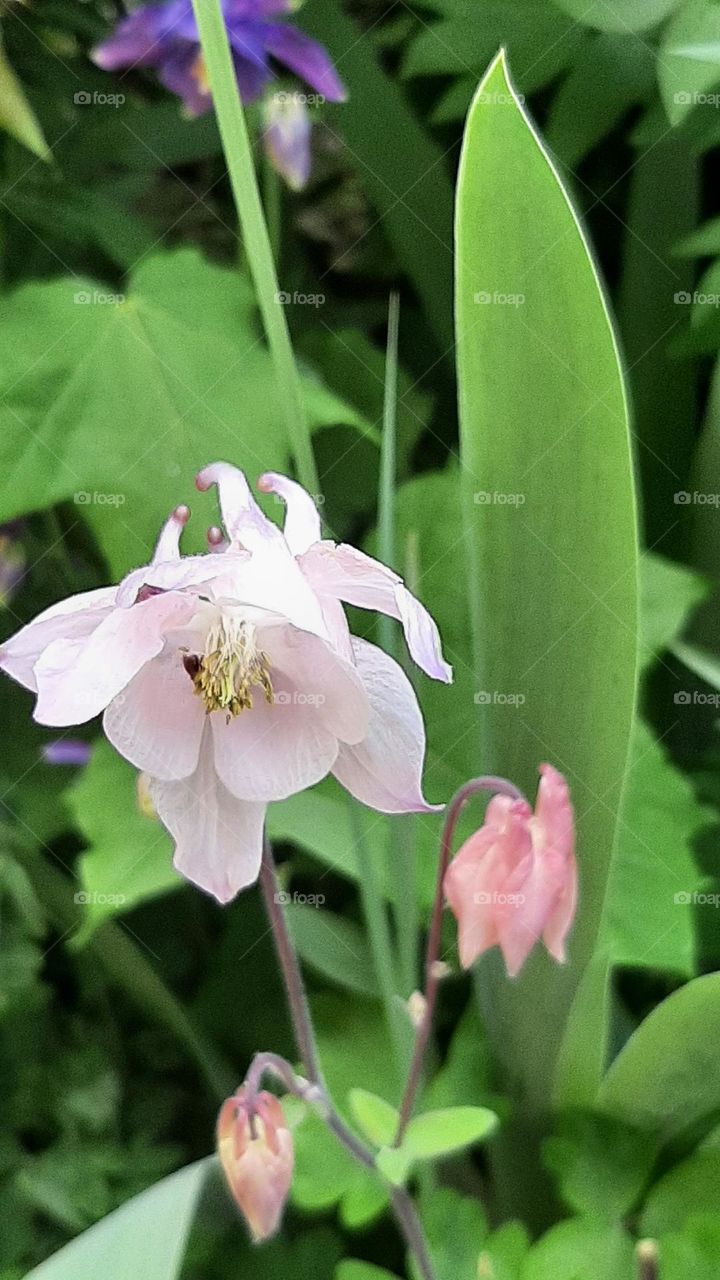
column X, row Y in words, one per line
column 515, row 880
column 256, row 1153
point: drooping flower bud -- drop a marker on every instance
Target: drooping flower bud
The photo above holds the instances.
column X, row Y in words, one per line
column 256, row 1152
column 514, row 881
column 287, row 137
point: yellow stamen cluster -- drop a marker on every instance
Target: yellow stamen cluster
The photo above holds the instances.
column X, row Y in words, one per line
column 230, row 669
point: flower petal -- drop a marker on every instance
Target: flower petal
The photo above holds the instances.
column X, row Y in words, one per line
column 168, row 543
column 307, row 58
column 74, row 618
column 136, row 41
column 302, row 519
column 384, row 771
column 272, row 752
column 244, row 521
column 347, row 574
column 218, row 838
column 157, row 721
column 77, row 678
column 287, row 139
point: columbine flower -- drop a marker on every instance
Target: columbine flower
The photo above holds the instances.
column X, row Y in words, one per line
column 514, row 880
column 287, row 133
column 165, row 36
column 256, row 1153
column 231, row 678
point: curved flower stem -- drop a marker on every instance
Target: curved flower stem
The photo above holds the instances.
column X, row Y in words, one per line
column 316, row 1096
column 433, row 969
column 313, row 1090
column 243, row 180
column 290, row 967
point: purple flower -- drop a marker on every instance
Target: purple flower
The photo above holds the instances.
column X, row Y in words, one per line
column 165, row 36
column 66, row 751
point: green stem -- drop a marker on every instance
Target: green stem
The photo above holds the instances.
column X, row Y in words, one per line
column 243, row 180
column 402, row 829
column 127, row 968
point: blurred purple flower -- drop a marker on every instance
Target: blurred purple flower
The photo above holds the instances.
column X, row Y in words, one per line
column 12, row 561
column 66, row 751
column 165, row 36
column 287, row 136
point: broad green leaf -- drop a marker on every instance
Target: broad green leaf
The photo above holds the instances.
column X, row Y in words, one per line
column 691, row 1187
column 694, row 1252
column 619, row 15
column 703, row 664
column 504, row 1252
column 16, row 115
column 440, row 1133
column 665, row 1079
column 581, row 1250
column 364, row 1200
column 689, row 59
column 548, row 503
column 394, row 1164
column 147, row 1236
column 332, row 945
column 376, row 1117
column 129, row 858
column 120, row 362
column 704, row 242
column 654, row 864
column 601, row 1167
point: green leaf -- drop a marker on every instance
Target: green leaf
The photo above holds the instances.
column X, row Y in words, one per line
column 147, row 1236
column 581, row 1250
column 601, row 1167
column 609, row 74
column 130, row 854
column 16, row 115
column 440, row 1133
column 376, row 1117
column 552, row 580
column 394, row 1164
column 665, row 1079
column 456, row 1230
column 75, row 423
column 691, row 1187
column 352, row 1270
column 669, row 593
column 686, row 72
column 654, row 864
column 332, row 945
column 619, row 15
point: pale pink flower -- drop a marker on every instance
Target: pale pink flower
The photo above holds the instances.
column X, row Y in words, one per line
column 231, row 678
column 515, row 880
column 257, row 1159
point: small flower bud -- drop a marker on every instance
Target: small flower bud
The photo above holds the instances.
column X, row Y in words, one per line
column 256, row 1152
column 416, row 1007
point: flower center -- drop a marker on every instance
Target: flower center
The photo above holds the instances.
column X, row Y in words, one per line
column 230, row 668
